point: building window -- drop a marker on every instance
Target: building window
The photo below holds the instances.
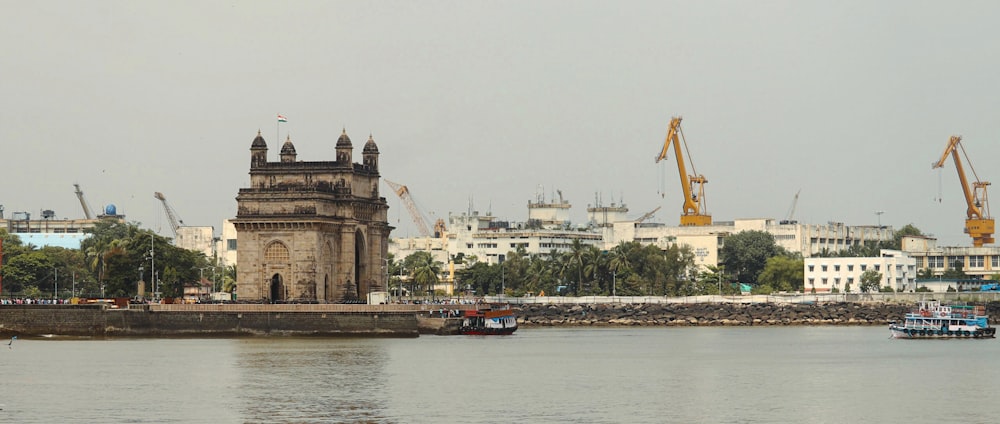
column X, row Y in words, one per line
column 230, row 244
column 811, row 267
column 824, row 281
column 276, row 252
column 935, row 261
column 836, row 268
column 956, row 262
column 823, row 268
column 878, row 267
column 864, row 267
column 850, row 268
column 976, row 261
column 996, row 261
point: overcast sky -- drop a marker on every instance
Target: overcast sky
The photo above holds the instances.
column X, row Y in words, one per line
column 501, row 101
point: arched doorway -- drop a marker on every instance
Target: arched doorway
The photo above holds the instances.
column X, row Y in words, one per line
column 277, row 289
column 276, row 257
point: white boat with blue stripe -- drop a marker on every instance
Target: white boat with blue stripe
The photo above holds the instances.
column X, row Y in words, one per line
column 932, row 320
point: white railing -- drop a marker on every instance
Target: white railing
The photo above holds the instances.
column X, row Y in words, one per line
column 953, row 297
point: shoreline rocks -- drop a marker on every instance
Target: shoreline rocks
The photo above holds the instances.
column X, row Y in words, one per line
column 716, row 314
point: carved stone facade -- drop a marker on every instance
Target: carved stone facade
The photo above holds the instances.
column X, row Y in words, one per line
column 311, row 231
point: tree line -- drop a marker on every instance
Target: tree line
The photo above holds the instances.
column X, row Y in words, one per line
column 109, row 263
column 749, row 258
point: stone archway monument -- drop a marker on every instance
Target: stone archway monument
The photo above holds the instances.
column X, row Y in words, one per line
column 309, row 231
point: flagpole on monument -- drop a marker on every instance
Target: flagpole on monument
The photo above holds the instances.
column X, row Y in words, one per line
column 277, row 130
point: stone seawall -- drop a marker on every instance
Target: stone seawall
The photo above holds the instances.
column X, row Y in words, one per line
column 99, row 321
column 717, row 314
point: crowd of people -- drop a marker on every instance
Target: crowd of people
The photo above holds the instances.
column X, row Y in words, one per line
column 33, row 301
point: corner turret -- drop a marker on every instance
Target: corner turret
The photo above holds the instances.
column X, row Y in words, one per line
column 258, row 151
column 345, row 150
column 288, row 151
column 370, row 154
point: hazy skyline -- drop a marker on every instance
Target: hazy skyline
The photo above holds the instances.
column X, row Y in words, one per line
column 849, row 102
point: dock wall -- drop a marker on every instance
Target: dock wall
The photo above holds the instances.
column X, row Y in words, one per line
column 207, row 321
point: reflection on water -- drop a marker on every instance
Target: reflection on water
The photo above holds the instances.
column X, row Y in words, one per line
column 642, row 375
column 311, row 380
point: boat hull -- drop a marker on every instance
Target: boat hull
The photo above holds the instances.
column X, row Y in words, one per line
column 489, row 322
column 899, row 332
column 487, row 331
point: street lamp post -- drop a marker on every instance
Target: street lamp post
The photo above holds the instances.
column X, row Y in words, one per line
column 152, row 269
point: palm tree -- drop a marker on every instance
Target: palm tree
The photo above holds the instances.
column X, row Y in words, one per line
column 424, row 270
column 620, row 257
column 596, row 267
column 576, row 254
column 99, row 254
column 539, row 274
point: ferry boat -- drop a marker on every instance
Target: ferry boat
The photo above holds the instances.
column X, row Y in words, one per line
column 932, row 320
column 489, row 322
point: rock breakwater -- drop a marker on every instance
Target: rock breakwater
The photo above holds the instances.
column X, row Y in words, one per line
column 716, row 314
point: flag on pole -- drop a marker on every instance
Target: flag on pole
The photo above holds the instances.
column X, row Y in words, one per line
column 282, row 118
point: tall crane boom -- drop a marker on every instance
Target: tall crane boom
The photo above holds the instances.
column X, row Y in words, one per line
column 404, row 194
column 790, row 218
column 83, row 202
column 175, row 221
column 694, row 197
column 647, row 215
column 978, row 223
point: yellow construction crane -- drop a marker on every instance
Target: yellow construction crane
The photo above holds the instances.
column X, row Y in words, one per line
column 694, row 197
column 404, row 194
column 978, row 223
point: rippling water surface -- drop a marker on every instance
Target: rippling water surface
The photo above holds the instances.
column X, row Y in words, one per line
column 690, row 375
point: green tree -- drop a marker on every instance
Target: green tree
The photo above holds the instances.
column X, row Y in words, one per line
column 925, row 273
column 783, row 273
column 594, row 270
column 678, row 272
column 576, row 256
column 424, row 270
column 713, row 275
column 746, row 253
column 955, row 269
column 871, row 281
column 907, row 230
column 26, row 270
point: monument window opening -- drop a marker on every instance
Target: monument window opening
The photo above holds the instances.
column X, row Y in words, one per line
column 276, row 252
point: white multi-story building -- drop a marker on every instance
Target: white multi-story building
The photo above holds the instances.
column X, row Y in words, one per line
column 487, row 238
column 976, row 262
column 198, row 239
column 823, row 275
column 806, row 239
column 226, row 245
column 53, row 231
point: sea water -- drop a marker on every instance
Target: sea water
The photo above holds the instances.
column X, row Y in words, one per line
column 556, row 375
